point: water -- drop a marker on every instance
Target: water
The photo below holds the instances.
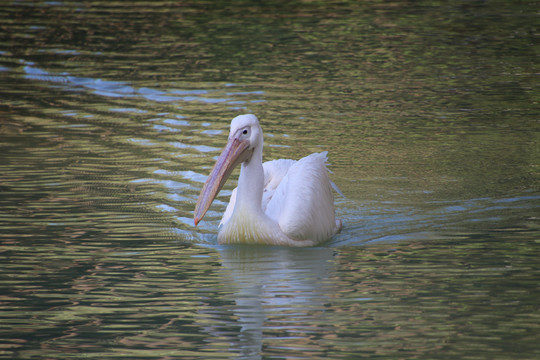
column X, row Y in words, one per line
column 113, row 113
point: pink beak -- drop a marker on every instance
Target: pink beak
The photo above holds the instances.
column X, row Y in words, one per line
column 236, row 152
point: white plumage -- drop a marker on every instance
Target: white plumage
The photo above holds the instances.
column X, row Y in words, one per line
column 280, row 202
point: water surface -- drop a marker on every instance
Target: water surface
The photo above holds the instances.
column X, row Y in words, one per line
column 112, row 115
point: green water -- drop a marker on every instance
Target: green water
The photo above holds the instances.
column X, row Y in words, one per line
column 112, row 114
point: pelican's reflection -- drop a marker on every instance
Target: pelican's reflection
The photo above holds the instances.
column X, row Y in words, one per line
column 275, row 288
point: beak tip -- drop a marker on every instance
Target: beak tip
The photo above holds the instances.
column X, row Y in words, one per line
column 196, row 221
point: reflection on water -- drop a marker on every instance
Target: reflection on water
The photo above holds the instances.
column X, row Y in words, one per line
column 113, row 114
column 274, row 292
column 159, row 299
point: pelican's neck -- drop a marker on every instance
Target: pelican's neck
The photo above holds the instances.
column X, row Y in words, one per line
column 251, row 183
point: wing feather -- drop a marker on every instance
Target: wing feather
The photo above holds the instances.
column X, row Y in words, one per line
column 303, row 203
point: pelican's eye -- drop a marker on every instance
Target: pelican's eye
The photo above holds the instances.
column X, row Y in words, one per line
column 245, row 132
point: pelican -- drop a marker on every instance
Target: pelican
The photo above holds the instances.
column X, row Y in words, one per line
column 280, row 202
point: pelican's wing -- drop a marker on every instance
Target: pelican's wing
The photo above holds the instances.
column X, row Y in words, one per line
column 274, row 172
column 303, row 203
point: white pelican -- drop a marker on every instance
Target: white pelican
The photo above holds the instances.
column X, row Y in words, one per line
column 280, row 202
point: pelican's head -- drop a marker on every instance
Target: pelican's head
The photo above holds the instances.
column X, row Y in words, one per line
column 245, row 137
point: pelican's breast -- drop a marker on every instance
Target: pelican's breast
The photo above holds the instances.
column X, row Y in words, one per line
column 244, row 227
